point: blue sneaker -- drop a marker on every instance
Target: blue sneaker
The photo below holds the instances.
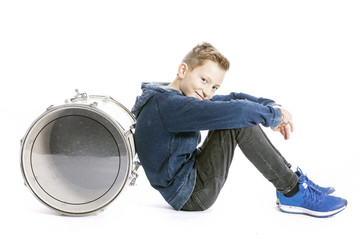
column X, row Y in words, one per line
column 326, row 190
column 311, row 201
column 299, row 172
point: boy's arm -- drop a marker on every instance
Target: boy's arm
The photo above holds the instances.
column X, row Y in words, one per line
column 186, row 114
column 243, row 96
column 286, row 125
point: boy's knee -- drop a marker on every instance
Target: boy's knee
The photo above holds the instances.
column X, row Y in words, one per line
column 250, row 131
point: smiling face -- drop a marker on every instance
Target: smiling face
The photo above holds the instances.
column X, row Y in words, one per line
column 201, row 82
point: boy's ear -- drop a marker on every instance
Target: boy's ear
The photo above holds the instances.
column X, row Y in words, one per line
column 183, row 68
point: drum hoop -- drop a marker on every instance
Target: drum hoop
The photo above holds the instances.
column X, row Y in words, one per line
column 127, row 138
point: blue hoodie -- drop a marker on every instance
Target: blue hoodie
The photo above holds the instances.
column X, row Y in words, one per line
column 168, row 127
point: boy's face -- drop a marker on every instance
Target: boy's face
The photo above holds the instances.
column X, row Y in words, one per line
column 202, row 81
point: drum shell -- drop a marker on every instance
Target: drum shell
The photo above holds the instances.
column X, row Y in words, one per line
column 41, row 162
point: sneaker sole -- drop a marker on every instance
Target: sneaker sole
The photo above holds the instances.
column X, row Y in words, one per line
column 300, row 210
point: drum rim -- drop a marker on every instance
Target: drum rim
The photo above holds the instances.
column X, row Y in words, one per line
column 123, row 174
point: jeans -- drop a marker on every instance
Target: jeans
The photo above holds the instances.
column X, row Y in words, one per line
column 215, row 157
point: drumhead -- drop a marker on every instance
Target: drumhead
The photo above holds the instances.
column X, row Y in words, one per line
column 76, row 159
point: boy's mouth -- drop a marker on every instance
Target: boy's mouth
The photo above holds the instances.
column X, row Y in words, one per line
column 201, row 97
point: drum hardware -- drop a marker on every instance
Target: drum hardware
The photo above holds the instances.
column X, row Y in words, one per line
column 134, row 173
column 51, row 106
column 76, row 158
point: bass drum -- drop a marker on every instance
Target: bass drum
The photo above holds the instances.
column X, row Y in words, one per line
column 76, row 158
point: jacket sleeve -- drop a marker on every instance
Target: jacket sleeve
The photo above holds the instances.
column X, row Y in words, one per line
column 244, row 96
column 185, row 114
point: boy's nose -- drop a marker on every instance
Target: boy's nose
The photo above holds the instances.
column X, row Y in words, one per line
column 206, row 92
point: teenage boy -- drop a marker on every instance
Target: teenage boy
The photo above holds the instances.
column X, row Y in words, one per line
column 170, row 117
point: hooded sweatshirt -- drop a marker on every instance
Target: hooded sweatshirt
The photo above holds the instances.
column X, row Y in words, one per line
column 168, row 127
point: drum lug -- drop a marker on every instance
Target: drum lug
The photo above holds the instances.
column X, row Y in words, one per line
column 62, row 214
column 50, row 107
column 106, row 99
column 94, row 105
column 134, row 174
column 128, row 133
column 79, row 96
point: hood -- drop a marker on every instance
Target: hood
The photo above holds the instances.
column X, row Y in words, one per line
column 149, row 89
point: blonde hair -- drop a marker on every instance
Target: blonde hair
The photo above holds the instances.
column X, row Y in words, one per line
column 204, row 52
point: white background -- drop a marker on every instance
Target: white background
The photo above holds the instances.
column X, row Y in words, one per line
column 303, row 54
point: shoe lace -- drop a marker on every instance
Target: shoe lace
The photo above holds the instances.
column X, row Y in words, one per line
column 311, row 183
column 306, row 178
column 314, row 195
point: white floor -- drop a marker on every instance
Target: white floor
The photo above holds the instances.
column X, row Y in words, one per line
column 245, row 208
column 305, row 55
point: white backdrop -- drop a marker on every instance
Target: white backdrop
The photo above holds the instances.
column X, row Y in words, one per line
column 303, row 54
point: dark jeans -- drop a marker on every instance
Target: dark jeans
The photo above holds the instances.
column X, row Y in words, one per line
column 214, row 160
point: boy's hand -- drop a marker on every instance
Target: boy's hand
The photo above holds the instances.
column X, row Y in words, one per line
column 286, row 125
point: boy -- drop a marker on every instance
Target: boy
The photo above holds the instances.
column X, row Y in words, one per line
column 170, row 117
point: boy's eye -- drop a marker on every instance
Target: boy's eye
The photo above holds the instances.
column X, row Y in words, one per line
column 215, row 88
column 203, row 79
